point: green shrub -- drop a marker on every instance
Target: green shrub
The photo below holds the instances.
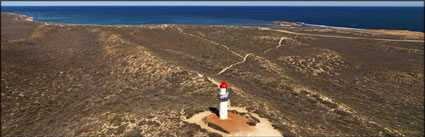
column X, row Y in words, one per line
column 133, row 133
column 116, row 121
column 189, row 112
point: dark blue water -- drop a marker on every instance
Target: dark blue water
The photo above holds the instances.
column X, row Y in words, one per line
column 401, row 18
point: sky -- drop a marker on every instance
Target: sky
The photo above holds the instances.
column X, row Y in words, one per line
column 215, row 3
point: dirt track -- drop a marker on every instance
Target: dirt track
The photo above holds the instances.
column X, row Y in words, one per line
column 81, row 80
column 345, row 37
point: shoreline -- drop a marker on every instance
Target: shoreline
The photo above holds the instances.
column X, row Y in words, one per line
column 83, row 80
column 302, row 25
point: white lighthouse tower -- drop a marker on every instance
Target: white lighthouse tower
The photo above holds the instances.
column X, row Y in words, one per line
column 223, row 96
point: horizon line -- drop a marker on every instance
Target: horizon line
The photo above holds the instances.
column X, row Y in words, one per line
column 220, row 3
column 196, row 6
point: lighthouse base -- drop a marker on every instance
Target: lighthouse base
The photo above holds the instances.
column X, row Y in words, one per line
column 234, row 123
column 237, row 124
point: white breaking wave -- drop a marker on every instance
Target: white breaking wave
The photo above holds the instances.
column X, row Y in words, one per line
column 326, row 26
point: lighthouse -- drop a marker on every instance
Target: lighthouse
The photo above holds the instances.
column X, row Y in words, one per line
column 223, row 97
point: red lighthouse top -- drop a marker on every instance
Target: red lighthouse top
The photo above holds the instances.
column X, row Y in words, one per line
column 223, row 85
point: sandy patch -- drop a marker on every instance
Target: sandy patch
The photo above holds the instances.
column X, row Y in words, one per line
column 285, row 23
column 235, row 123
column 262, row 128
column 29, row 19
column 399, row 32
column 197, row 119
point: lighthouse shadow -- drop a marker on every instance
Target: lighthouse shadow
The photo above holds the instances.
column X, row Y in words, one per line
column 213, row 110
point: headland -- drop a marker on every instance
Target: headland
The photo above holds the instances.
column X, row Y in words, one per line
column 88, row 80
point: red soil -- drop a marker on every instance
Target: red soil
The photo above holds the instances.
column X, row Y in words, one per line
column 234, row 123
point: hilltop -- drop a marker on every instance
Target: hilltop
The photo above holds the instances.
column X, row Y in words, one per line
column 86, row 80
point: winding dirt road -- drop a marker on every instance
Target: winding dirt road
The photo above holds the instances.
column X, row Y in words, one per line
column 280, row 44
column 345, row 37
column 244, row 59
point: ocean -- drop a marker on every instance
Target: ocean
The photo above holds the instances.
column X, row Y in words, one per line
column 399, row 18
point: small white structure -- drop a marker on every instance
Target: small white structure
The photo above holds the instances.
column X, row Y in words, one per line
column 223, row 97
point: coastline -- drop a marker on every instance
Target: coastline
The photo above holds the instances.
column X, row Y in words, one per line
column 88, row 80
column 299, row 24
column 27, row 18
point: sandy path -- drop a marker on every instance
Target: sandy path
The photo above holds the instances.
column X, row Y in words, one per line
column 280, row 44
column 398, row 32
column 333, row 36
column 210, row 41
column 228, row 67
